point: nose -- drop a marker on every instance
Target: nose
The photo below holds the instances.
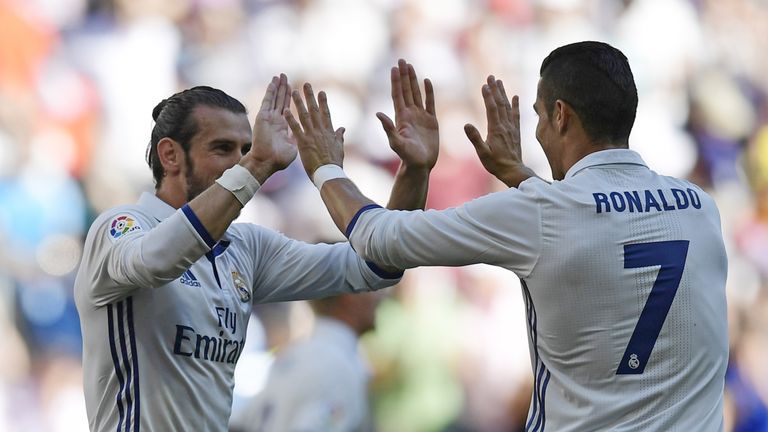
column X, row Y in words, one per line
column 235, row 158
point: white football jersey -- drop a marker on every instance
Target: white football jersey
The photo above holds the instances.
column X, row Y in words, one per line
column 623, row 273
column 316, row 384
column 164, row 310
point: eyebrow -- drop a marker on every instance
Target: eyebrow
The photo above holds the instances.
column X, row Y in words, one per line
column 220, row 141
column 245, row 148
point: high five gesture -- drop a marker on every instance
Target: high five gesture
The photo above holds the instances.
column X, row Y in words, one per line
column 414, row 134
column 500, row 152
column 273, row 147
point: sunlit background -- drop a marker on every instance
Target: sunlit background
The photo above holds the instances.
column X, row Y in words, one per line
column 79, row 79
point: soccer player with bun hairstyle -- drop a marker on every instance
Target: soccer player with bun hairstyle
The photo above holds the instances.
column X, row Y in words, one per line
column 623, row 270
column 166, row 286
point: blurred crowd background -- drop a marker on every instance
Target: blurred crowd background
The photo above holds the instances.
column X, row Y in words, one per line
column 79, row 78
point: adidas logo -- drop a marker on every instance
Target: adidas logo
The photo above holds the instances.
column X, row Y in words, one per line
column 189, row 279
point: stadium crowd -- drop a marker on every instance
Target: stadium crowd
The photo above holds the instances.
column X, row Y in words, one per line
column 79, row 78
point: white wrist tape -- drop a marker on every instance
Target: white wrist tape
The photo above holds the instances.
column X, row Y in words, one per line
column 327, row 172
column 240, row 182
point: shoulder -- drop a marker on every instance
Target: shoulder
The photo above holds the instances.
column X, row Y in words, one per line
column 530, row 190
column 122, row 221
column 539, row 190
column 254, row 235
column 692, row 190
column 528, row 195
column 533, row 185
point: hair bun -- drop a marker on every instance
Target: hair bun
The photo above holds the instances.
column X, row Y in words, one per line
column 159, row 109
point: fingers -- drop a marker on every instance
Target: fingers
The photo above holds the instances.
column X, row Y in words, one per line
column 314, row 109
column 325, row 112
column 302, row 144
column 397, row 90
column 515, row 111
column 269, row 96
column 430, row 92
column 476, row 139
column 414, row 85
column 491, row 110
column 388, row 125
column 286, row 102
column 282, row 89
column 301, row 110
column 512, row 110
column 311, row 115
column 499, row 97
column 503, row 92
column 405, row 82
column 293, row 124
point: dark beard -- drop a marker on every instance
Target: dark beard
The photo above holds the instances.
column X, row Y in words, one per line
column 194, row 185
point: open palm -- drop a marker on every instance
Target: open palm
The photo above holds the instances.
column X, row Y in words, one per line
column 501, row 151
column 272, row 138
column 414, row 135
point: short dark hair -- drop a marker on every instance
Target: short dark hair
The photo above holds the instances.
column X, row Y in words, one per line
column 173, row 119
column 594, row 78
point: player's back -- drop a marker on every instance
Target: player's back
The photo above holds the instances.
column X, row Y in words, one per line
column 626, row 304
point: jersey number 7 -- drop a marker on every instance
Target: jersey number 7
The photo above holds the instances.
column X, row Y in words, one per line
column 670, row 255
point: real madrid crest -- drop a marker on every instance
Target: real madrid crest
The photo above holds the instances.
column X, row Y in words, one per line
column 241, row 287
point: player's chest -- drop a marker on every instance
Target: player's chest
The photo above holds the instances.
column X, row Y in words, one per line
column 214, row 295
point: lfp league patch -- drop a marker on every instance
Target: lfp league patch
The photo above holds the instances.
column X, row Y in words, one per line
column 122, row 225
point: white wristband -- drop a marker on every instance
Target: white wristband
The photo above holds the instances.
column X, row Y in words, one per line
column 327, row 172
column 240, row 182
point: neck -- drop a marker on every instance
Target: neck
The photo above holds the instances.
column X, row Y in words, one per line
column 173, row 198
column 579, row 149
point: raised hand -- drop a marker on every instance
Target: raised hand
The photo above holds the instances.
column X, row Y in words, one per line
column 319, row 144
column 414, row 133
column 273, row 147
column 500, row 152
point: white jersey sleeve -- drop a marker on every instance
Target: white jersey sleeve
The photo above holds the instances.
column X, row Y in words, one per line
column 125, row 251
column 475, row 232
column 288, row 269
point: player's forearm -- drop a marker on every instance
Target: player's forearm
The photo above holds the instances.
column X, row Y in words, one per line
column 217, row 207
column 410, row 189
column 343, row 200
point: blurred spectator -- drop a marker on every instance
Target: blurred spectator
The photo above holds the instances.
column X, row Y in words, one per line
column 414, row 354
column 321, row 382
column 745, row 408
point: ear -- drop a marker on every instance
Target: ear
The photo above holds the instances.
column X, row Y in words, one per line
column 562, row 117
column 171, row 156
